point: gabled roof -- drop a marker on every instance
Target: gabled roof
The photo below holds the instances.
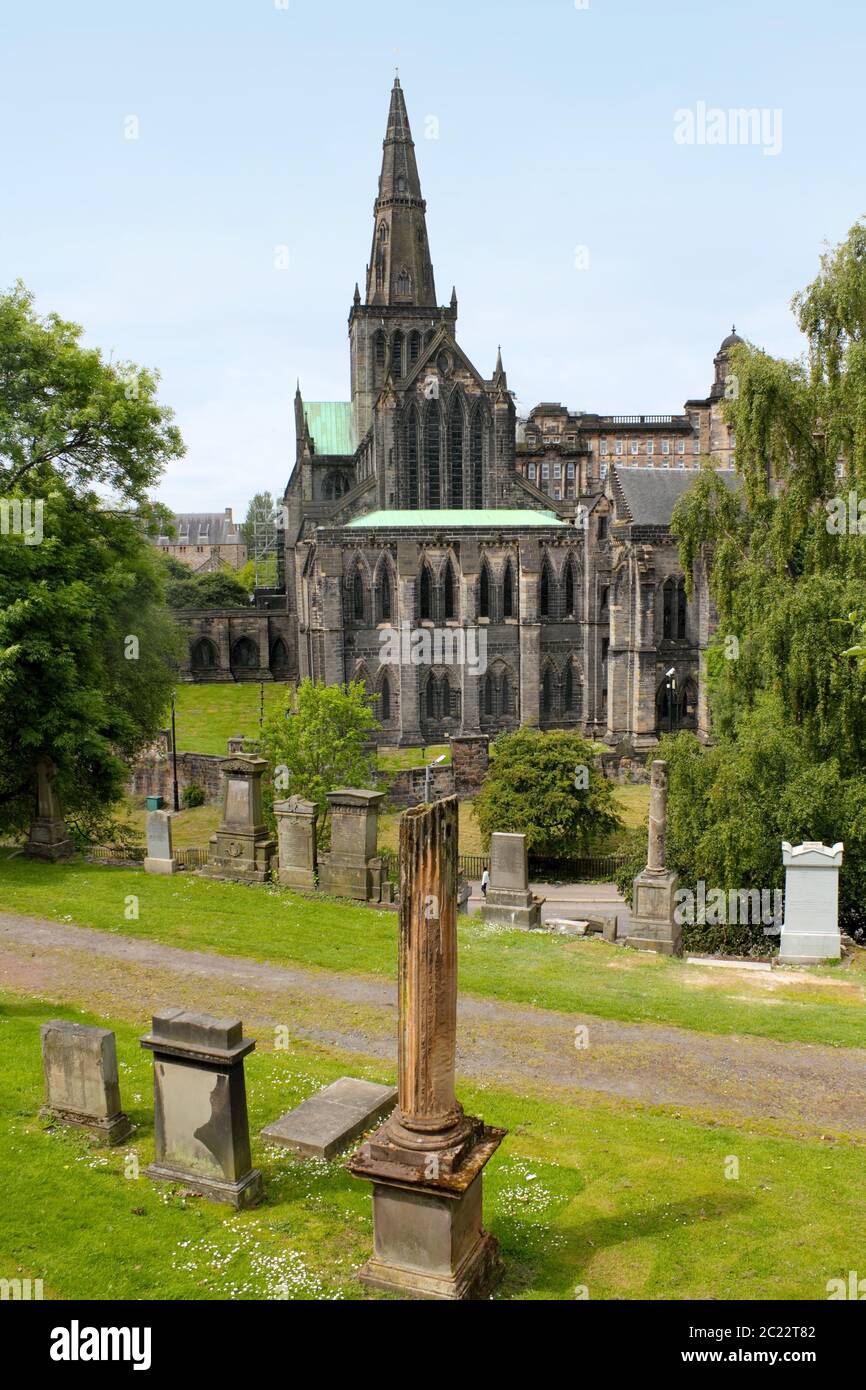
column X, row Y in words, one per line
column 332, row 426
column 647, row 496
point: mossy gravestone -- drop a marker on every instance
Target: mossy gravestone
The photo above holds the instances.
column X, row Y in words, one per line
column 81, row 1083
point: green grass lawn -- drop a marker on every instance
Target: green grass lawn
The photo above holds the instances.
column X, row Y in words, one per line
column 620, row 1200
column 207, row 716
column 547, row 971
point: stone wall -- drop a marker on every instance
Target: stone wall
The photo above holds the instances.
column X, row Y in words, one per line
column 626, row 766
column 152, row 775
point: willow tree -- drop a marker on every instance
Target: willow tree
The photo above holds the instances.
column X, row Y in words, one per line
column 784, row 554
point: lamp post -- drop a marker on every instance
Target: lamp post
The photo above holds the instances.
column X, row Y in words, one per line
column 671, row 678
column 427, row 770
column 175, row 797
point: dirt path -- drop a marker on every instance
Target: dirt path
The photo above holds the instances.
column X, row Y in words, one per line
column 795, row 1086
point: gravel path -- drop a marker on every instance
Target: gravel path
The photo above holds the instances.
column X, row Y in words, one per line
column 793, row 1086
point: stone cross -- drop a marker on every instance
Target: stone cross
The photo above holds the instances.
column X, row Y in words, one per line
column 81, row 1082
column 426, row 1161
column 201, row 1128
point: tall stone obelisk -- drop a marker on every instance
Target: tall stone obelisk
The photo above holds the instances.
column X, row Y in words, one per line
column 653, row 924
column 426, row 1161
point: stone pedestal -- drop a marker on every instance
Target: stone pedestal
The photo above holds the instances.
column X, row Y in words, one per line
column 296, row 840
column 159, row 859
column 426, row 1161
column 81, row 1084
column 509, row 901
column 201, row 1126
column 242, row 848
column 351, row 868
column 48, row 837
column 810, row 931
column 653, row 923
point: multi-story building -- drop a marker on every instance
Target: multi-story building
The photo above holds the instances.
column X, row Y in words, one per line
column 476, row 574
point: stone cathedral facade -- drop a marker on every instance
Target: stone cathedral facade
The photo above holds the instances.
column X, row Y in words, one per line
column 476, row 571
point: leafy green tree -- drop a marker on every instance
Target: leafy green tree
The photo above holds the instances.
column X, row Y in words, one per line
column 87, row 654
column 217, row 589
column 317, row 741
column 546, row 787
column 86, row 646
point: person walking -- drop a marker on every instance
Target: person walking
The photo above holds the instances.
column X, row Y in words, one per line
column 485, row 882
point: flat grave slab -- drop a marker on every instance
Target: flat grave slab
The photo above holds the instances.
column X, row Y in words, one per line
column 325, row 1123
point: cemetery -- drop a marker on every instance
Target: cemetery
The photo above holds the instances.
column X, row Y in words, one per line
column 441, row 878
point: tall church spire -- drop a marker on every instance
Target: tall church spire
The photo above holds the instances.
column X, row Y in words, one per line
column 400, row 270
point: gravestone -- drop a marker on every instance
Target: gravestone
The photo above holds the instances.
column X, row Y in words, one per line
column 48, row 838
column 201, row 1129
column 810, row 931
column 351, row 869
column 426, row 1162
column 325, row 1123
column 242, row 848
column 509, row 901
column 159, row 858
column 296, row 841
column 653, row 922
column 81, row 1083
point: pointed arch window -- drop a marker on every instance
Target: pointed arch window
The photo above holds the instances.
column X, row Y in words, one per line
column 385, row 700
column 668, row 593
column 384, row 606
column 546, row 692
column 430, row 702
column 358, row 597
column 505, row 704
column 508, row 591
column 432, row 448
column 425, row 594
column 449, row 595
column 412, row 459
column 484, row 592
column 455, row 452
column 414, row 346
column 404, row 283
column 544, row 598
column 569, row 589
column 379, row 348
column 682, row 609
column 488, row 705
column 476, row 451
column 397, row 354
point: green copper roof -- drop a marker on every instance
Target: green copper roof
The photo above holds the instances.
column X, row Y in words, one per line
column 331, row 425
column 448, row 518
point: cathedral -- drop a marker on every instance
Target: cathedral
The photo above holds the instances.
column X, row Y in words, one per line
column 477, row 571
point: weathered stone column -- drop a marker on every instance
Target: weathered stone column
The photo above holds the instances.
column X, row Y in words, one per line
column 426, row 1161
column 653, row 925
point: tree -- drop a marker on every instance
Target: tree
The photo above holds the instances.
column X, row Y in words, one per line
column 317, row 741
column 87, row 655
column 86, row 647
column 785, row 554
column 731, row 805
column 65, row 412
column 546, row 787
column 216, row 589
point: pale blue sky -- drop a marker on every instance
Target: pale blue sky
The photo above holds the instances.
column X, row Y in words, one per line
column 261, row 126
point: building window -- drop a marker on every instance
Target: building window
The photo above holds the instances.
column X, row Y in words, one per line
column 557, row 493
column 431, row 455
column 557, row 470
column 570, row 470
column 618, row 446
column 545, row 471
column 476, row 450
column 508, row 592
column 531, row 472
column 666, row 446
column 696, row 446
column 681, row 446
column 602, row 448
column 633, row 446
column 649, row 446
column 484, row 592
